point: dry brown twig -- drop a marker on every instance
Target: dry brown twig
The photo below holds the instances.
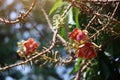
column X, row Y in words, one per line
column 93, row 18
column 78, row 75
column 84, row 65
column 114, row 33
column 109, row 19
column 50, row 25
column 20, row 17
column 98, row 0
column 87, row 9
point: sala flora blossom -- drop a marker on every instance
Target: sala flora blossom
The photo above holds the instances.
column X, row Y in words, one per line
column 27, row 48
column 85, row 48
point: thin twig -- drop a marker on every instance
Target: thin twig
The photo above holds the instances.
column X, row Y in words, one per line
column 86, row 9
column 66, row 10
column 109, row 19
column 20, row 17
column 99, row 1
column 114, row 33
column 58, row 60
column 93, row 18
column 84, row 65
column 50, row 25
column 78, row 75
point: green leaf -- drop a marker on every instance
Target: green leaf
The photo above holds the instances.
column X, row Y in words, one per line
column 55, row 6
column 76, row 16
column 77, row 65
column 63, row 32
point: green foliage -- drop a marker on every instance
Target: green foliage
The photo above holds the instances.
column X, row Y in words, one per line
column 55, row 6
column 76, row 13
column 63, row 32
column 77, row 65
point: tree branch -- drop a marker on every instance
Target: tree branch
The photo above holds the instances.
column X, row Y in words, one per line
column 86, row 9
column 49, row 23
column 109, row 19
column 20, row 17
column 34, row 57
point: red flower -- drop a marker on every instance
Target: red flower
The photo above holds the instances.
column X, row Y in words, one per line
column 31, row 46
column 86, row 48
column 82, row 36
column 86, row 51
column 79, row 35
column 74, row 33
